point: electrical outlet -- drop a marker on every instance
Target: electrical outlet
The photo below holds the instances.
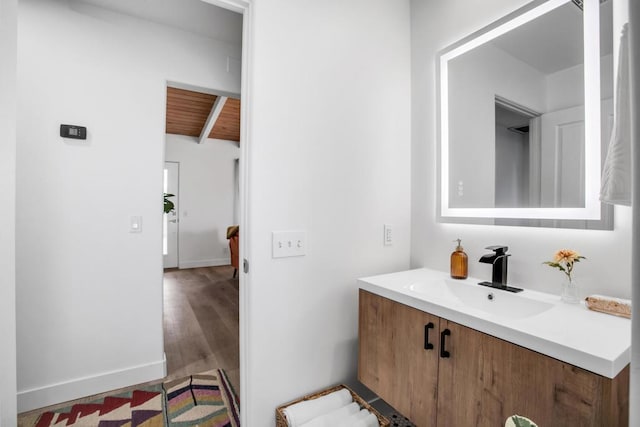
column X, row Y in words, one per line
column 388, row 235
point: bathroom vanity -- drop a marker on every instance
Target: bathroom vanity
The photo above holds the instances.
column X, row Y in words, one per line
column 448, row 352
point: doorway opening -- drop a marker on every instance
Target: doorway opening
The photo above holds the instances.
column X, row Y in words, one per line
column 170, row 225
column 201, row 287
column 201, row 292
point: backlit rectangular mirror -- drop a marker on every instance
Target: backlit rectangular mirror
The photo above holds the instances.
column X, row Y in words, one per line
column 525, row 114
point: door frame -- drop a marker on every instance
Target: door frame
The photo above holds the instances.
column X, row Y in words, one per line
column 177, row 217
column 245, row 7
column 8, row 122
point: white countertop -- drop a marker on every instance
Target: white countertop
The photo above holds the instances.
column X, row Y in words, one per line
column 594, row 341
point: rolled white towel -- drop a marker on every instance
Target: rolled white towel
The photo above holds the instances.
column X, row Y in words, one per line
column 333, row 418
column 352, row 420
column 303, row 412
column 368, row 421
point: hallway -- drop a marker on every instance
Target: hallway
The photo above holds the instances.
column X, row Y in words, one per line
column 201, row 322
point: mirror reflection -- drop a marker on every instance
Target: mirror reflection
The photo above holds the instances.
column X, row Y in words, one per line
column 516, row 115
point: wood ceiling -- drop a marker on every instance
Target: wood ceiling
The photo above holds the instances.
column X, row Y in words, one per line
column 202, row 115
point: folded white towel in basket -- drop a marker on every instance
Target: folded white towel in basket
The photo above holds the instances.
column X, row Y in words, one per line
column 368, row 421
column 303, row 412
column 364, row 418
column 332, row 419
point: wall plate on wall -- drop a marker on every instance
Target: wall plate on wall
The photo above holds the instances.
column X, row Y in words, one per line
column 73, row 131
column 289, row 244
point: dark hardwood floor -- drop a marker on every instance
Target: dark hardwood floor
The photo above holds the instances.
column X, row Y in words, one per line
column 201, row 322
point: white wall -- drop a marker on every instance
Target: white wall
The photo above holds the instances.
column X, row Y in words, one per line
column 330, row 154
column 206, row 198
column 511, row 168
column 477, row 77
column 89, row 293
column 565, row 88
column 8, row 45
column 436, row 25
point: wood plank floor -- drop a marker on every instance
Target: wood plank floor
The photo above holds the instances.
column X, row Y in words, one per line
column 201, row 322
column 201, row 328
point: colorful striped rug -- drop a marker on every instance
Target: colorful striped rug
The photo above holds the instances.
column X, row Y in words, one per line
column 135, row 408
column 205, row 399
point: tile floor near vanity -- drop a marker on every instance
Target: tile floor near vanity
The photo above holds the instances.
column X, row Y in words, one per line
column 398, row 420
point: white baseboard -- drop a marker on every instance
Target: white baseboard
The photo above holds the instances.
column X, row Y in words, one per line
column 88, row 386
column 214, row 262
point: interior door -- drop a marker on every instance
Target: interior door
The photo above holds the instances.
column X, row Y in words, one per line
column 171, row 221
column 562, row 158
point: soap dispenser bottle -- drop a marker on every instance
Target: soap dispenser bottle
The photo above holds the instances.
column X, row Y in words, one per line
column 459, row 262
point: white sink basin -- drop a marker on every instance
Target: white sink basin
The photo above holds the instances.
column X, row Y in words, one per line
column 536, row 320
column 494, row 302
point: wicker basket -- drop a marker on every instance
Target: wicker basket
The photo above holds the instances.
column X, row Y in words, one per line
column 281, row 419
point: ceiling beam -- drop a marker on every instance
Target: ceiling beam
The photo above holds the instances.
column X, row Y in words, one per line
column 213, row 117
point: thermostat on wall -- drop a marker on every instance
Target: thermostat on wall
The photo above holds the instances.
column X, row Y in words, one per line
column 71, row 131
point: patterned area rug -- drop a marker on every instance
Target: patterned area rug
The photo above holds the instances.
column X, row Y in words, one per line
column 206, row 400
column 140, row 407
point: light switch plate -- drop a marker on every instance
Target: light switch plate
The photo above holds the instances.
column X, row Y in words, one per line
column 289, row 243
column 388, row 234
column 135, row 224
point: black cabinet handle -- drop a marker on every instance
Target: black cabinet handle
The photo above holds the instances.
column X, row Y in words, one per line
column 427, row 344
column 444, row 353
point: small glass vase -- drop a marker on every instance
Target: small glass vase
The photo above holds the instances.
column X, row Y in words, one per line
column 570, row 291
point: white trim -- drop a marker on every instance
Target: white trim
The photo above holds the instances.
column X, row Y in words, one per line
column 634, row 79
column 216, row 109
column 591, row 211
column 244, row 7
column 8, row 53
column 86, row 386
column 239, row 6
column 186, row 86
column 246, row 413
column 212, row 262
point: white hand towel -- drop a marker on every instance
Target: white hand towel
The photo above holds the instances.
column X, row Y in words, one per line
column 354, row 419
column 616, row 173
column 333, row 418
column 303, row 412
column 369, row 421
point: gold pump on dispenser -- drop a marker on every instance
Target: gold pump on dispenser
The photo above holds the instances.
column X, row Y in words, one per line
column 459, row 262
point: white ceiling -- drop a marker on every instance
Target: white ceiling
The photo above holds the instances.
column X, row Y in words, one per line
column 195, row 16
column 553, row 42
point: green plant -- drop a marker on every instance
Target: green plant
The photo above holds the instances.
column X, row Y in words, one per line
column 518, row 421
column 169, row 206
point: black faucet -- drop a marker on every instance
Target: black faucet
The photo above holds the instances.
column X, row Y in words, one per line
column 498, row 259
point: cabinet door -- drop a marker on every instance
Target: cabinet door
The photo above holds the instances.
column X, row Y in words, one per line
column 485, row 380
column 392, row 359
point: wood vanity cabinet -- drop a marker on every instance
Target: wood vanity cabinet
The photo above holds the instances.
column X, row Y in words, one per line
column 393, row 361
column 482, row 381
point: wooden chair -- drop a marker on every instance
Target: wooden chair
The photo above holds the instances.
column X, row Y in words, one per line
column 233, row 236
